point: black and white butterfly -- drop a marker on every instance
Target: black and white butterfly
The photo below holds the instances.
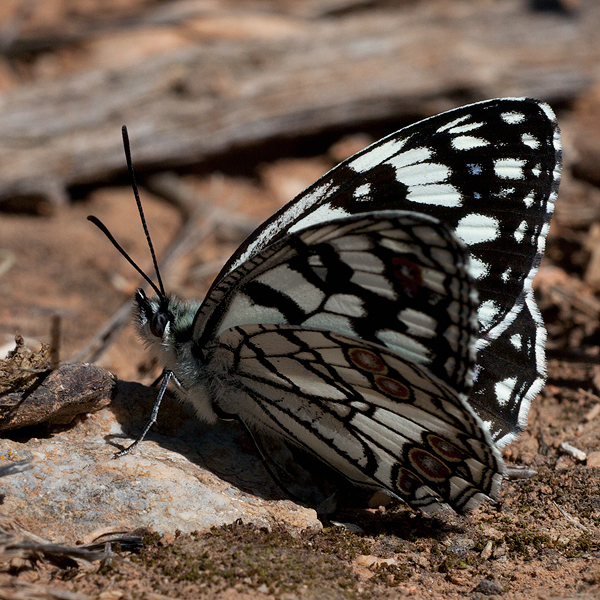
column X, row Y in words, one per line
column 384, row 320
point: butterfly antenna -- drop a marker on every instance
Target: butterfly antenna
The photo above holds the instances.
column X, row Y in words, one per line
column 162, row 292
column 102, row 227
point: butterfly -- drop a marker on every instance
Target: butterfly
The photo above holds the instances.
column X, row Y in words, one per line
column 384, row 321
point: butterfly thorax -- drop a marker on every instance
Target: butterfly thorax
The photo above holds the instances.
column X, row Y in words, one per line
column 166, row 327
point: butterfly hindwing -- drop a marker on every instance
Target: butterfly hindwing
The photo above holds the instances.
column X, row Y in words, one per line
column 391, row 278
column 353, row 340
column 381, row 421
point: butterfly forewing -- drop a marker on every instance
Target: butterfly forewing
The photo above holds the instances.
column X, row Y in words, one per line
column 379, row 420
column 488, row 170
column 491, row 172
column 508, row 375
column 392, row 278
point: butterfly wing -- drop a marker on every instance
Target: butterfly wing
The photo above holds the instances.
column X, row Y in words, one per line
column 372, row 416
column 515, row 371
column 353, row 340
column 391, row 278
column 490, row 171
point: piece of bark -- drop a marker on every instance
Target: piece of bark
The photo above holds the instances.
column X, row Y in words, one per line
column 185, row 105
column 59, row 397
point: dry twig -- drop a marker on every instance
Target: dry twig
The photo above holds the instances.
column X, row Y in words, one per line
column 570, row 519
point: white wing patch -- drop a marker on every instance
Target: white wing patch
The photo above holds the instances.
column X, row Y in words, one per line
column 521, row 231
column 419, row 324
column 367, row 160
column 487, row 312
column 529, row 200
column 478, row 268
column 504, row 390
column 421, row 174
column 513, row 117
column 509, row 168
column 530, row 141
column 455, row 125
column 465, row 128
column 322, row 214
column 362, row 191
column 475, row 229
column 517, row 340
column 437, row 194
column 469, row 142
column 345, row 304
column 253, row 313
column 405, row 345
column 282, row 277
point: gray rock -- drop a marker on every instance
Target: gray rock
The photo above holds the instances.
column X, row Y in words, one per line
column 489, row 588
column 185, row 476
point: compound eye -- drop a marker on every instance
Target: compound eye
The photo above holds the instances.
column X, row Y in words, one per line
column 158, row 323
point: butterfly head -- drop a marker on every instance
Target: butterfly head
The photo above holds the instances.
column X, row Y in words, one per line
column 153, row 316
column 163, row 322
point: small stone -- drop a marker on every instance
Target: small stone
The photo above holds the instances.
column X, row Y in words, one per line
column 457, row 578
column 593, row 459
column 363, row 573
column 461, row 546
column 489, row 588
column 564, row 463
column 592, row 413
column 368, row 560
column 487, row 551
column 110, row 595
column 576, row 453
column 365, row 560
column 422, row 561
column 18, row 562
column 492, row 533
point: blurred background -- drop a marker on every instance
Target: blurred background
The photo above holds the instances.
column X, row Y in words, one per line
column 235, row 106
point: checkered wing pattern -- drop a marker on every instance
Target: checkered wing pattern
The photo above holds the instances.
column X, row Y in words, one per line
column 381, row 421
column 355, row 341
column 384, row 320
column 491, row 172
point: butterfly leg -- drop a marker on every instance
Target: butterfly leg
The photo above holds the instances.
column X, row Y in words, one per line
column 161, row 392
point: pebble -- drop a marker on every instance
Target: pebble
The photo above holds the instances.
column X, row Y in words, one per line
column 576, row 453
column 593, row 459
column 489, row 588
